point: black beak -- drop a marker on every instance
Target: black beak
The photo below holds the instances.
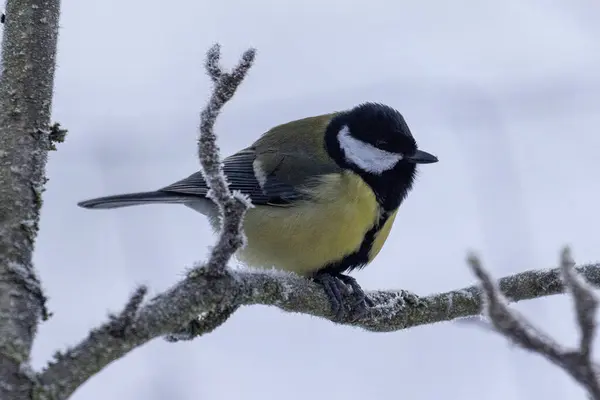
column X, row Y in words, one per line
column 421, row 157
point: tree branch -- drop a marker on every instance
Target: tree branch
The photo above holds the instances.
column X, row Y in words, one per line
column 203, row 324
column 519, row 330
column 232, row 207
column 26, row 87
column 393, row 311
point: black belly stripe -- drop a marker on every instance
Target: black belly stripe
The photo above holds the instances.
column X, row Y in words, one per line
column 359, row 258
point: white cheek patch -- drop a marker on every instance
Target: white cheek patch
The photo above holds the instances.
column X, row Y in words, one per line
column 365, row 155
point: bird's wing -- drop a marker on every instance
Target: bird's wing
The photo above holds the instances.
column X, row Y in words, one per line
column 276, row 179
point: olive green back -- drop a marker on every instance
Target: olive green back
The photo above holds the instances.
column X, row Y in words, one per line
column 300, row 150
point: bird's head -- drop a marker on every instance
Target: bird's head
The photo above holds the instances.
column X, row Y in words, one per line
column 374, row 141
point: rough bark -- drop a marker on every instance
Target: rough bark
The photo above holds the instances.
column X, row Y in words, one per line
column 26, row 86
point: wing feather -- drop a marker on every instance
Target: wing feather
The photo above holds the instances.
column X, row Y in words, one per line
column 240, row 170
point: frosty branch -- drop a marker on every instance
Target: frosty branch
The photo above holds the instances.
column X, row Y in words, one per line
column 232, row 206
column 394, row 310
column 508, row 322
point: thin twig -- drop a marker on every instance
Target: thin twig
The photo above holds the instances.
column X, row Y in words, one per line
column 519, row 330
column 232, row 206
column 585, row 302
column 124, row 322
column 510, row 322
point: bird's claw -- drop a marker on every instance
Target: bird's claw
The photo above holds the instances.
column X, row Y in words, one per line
column 334, row 285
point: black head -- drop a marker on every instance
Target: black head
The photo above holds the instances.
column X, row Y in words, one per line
column 374, row 141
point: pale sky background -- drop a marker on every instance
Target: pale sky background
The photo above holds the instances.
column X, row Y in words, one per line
column 505, row 93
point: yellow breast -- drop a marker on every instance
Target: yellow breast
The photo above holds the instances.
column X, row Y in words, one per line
column 309, row 235
column 382, row 236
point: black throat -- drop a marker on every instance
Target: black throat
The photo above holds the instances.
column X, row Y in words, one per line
column 391, row 187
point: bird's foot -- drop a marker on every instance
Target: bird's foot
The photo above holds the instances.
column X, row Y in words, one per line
column 336, row 287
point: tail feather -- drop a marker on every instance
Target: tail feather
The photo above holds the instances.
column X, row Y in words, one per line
column 133, row 199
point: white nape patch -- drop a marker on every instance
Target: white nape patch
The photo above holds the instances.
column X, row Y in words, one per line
column 365, row 155
column 259, row 173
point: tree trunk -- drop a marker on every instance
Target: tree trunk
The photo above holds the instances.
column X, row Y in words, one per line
column 26, row 86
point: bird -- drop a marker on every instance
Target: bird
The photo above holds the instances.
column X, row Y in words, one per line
column 325, row 192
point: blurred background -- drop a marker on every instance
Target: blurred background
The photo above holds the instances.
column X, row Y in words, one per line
column 505, row 93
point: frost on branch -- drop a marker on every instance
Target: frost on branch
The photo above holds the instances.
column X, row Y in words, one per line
column 121, row 324
column 232, row 206
column 516, row 328
column 205, row 323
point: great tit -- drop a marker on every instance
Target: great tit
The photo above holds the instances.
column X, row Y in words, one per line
column 325, row 191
